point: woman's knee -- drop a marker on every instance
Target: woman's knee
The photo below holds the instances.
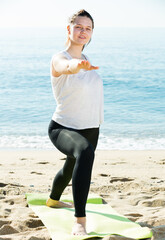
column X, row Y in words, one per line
column 86, row 152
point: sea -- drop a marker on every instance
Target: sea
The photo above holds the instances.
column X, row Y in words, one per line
column 131, row 64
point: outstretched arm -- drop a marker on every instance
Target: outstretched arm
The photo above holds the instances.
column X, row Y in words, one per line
column 62, row 65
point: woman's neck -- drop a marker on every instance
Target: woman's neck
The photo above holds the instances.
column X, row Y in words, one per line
column 75, row 51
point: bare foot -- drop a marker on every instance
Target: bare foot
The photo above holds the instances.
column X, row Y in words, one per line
column 58, row 204
column 79, row 227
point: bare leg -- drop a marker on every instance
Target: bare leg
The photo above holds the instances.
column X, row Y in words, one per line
column 79, row 227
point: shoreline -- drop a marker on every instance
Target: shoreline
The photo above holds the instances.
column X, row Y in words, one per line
column 97, row 150
column 131, row 181
column 105, row 143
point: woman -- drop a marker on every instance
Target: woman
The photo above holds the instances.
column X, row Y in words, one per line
column 74, row 128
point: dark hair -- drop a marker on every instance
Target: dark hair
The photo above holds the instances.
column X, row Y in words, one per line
column 80, row 13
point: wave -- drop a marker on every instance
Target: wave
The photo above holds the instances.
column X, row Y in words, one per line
column 105, row 143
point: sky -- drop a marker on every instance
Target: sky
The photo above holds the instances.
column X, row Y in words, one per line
column 106, row 13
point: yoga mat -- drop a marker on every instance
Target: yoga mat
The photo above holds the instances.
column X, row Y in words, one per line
column 102, row 219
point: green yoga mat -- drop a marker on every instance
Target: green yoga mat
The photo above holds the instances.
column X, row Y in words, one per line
column 102, row 220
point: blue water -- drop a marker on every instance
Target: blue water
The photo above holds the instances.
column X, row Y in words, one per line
column 132, row 66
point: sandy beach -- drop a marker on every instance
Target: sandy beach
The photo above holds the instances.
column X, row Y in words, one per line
column 132, row 182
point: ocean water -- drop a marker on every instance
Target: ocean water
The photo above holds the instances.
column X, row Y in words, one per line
column 132, row 66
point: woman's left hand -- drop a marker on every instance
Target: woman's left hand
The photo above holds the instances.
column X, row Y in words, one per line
column 86, row 65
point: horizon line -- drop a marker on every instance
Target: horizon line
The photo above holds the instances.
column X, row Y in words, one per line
column 16, row 27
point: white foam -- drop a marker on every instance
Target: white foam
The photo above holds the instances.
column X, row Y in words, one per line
column 25, row 142
column 128, row 143
column 104, row 143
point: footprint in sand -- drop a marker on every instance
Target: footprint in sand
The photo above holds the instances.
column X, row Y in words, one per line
column 10, row 202
column 33, row 223
column 154, row 178
column 43, row 163
column 7, row 211
column 2, row 197
column 15, row 185
column 3, row 222
column 161, row 162
column 118, row 179
column 23, row 159
column 115, row 163
column 7, row 229
column 37, row 173
column 3, row 184
column 135, row 201
column 154, row 203
column 104, row 175
column 32, row 216
column 134, row 215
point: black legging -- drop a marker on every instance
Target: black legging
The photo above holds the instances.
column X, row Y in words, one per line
column 79, row 146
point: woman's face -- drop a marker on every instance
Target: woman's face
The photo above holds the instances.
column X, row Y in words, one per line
column 80, row 32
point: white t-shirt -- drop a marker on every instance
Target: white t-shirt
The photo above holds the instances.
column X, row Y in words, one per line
column 79, row 98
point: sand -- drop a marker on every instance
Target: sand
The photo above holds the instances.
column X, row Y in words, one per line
column 132, row 182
